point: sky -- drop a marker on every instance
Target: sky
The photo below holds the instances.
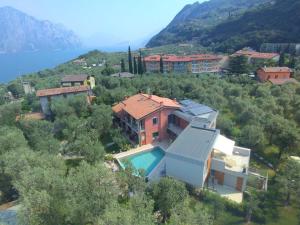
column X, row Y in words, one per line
column 113, row 20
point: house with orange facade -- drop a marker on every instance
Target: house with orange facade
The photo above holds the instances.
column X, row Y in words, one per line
column 198, row 153
column 204, row 63
column 275, row 75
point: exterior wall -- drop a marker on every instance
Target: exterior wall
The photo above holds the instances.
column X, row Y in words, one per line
column 45, row 105
column 264, row 76
column 153, row 67
column 160, row 127
column 205, row 66
column 181, row 67
column 227, row 177
column 186, row 170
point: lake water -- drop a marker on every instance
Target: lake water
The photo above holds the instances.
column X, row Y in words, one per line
column 16, row 64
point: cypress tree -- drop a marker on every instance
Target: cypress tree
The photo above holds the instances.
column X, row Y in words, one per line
column 161, row 65
column 140, row 65
column 292, row 62
column 130, row 60
column 144, row 66
column 123, row 66
column 134, row 65
column 281, row 59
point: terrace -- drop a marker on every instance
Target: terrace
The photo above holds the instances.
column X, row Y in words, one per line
column 237, row 162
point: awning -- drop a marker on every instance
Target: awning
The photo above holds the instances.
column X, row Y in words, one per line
column 224, row 145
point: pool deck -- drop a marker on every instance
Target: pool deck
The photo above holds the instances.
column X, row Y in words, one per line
column 163, row 145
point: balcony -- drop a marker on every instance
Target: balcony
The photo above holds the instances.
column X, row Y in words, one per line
column 237, row 162
column 174, row 128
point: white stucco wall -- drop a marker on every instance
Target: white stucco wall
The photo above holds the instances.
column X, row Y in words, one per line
column 185, row 170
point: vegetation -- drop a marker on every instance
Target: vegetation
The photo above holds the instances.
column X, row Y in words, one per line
column 56, row 168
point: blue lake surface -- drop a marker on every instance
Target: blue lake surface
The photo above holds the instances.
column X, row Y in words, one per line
column 146, row 161
column 15, row 64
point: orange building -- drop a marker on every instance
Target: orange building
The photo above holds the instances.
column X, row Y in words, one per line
column 145, row 117
column 276, row 75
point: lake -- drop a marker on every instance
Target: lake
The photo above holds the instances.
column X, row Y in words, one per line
column 16, row 64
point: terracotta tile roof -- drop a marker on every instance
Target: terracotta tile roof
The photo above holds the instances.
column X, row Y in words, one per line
column 60, row 91
column 276, row 69
column 141, row 105
column 74, row 78
column 283, row 81
column 174, row 58
column 256, row 55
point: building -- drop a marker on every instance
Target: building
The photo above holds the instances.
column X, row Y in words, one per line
column 184, row 64
column 47, row 95
column 275, row 75
column 198, row 154
column 73, row 80
column 206, row 63
column 28, row 89
column 257, row 57
column 215, row 158
column 123, row 75
column 78, row 80
column 80, row 62
column 144, row 117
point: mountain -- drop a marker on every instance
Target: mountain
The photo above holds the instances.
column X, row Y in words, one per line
column 275, row 23
column 195, row 19
column 21, row 32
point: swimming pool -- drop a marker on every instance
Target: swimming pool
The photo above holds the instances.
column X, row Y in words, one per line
column 146, row 161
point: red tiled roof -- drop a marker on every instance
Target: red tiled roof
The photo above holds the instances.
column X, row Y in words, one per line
column 74, row 78
column 141, row 105
column 174, row 58
column 60, row 91
column 256, row 55
column 283, row 81
column 276, row 69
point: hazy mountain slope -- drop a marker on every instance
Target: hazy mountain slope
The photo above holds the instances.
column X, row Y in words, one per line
column 278, row 23
column 193, row 19
column 21, row 32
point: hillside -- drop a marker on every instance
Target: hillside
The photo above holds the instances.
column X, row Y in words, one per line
column 194, row 19
column 278, row 23
column 21, row 32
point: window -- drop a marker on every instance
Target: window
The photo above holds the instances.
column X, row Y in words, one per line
column 143, row 125
column 155, row 135
column 155, row 121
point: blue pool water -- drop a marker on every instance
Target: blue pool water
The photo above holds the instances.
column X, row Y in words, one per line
column 146, row 161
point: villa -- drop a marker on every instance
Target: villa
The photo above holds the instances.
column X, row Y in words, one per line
column 78, row 80
column 179, row 139
column 47, row 95
column 275, row 75
column 257, row 57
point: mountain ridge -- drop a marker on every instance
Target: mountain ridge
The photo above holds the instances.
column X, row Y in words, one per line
column 21, row 32
column 194, row 19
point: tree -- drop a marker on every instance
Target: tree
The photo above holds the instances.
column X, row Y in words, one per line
column 250, row 205
column 135, row 69
column 101, row 119
column 140, row 65
column 108, row 70
column 144, row 66
column 238, row 64
column 123, row 65
column 281, row 61
column 89, row 191
column 292, row 63
column 138, row 210
column 161, row 65
column 8, row 114
column 167, row 194
column 130, row 60
column 288, row 180
column 185, row 214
